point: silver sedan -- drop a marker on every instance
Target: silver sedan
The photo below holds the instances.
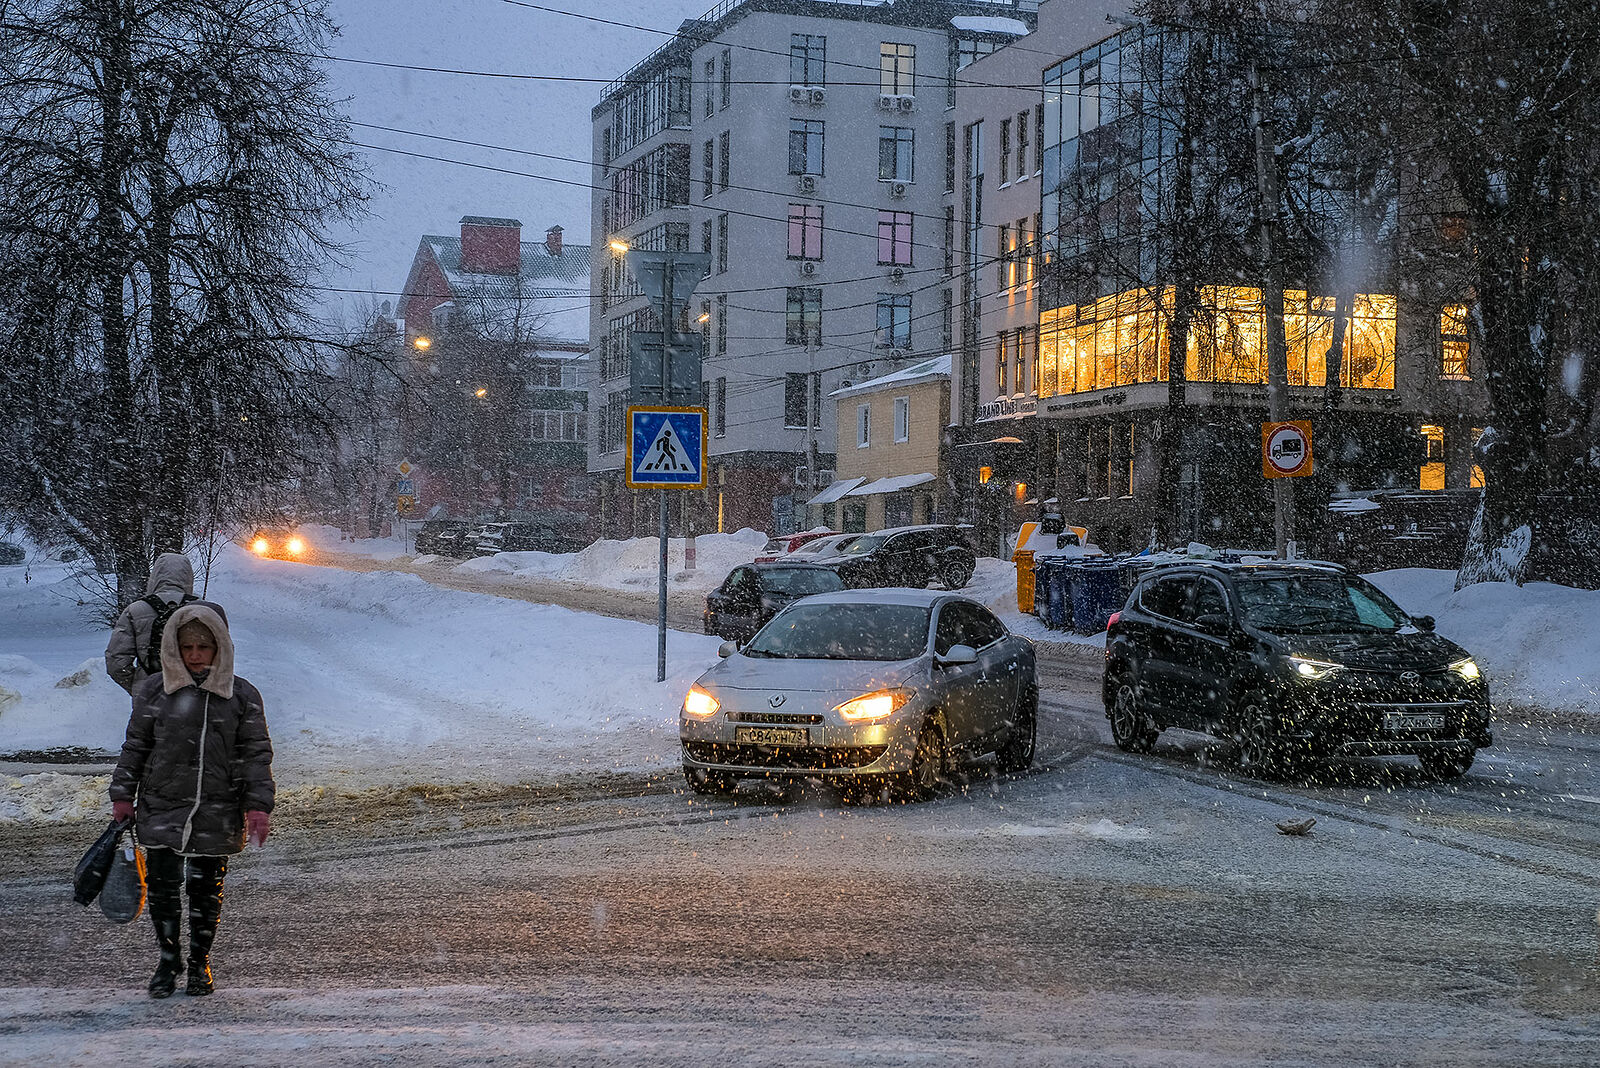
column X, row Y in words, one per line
column 880, row 688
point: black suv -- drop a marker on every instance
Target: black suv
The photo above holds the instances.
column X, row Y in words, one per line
column 1294, row 663
column 753, row 594
column 440, row 536
column 908, row 556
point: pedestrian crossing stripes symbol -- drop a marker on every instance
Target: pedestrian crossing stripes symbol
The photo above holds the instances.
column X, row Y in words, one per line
column 666, row 447
column 666, row 455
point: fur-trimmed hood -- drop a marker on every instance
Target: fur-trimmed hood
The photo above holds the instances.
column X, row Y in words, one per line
column 174, row 675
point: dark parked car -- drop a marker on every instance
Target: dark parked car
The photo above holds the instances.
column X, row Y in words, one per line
column 458, row 541
column 441, row 536
column 521, row 538
column 754, row 593
column 783, row 544
column 908, row 556
column 1295, row 663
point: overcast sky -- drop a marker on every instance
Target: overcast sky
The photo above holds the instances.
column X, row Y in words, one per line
column 427, row 196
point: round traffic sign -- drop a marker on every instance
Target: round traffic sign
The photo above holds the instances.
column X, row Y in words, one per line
column 1287, row 449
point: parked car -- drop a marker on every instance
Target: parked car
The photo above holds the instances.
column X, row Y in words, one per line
column 522, row 537
column 459, row 541
column 754, row 593
column 278, row 543
column 783, row 544
column 1294, row 662
column 908, row 556
column 881, row 689
column 824, row 548
column 440, row 536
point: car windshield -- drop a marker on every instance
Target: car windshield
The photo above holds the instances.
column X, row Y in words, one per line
column 862, row 545
column 801, row 581
column 844, row 632
column 1325, row 604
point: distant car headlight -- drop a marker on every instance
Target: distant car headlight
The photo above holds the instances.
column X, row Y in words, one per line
column 260, row 546
column 296, row 546
column 697, row 704
column 1312, row 669
column 1467, row 669
column 871, row 706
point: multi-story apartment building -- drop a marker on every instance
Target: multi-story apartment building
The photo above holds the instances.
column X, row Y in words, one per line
column 1075, row 418
column 806, row 145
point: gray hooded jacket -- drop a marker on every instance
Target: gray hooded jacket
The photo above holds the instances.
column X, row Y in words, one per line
column 197, row 756
column 171, row 579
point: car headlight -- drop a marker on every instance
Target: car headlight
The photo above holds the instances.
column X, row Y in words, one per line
column 260, row 546
column 698, row 704
column 871, row 706
column 1467, row 669
column 1305, row 668
column 296, row 546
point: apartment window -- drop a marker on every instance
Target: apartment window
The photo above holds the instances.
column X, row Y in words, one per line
column 722, row 325
column 1005, row 151
column 895, row 145
column 949, row 240
column 1002, row 362
column 863, row 425
column 802, row 320
column 723, row 164
column 894, row 321
column 902, row 419
column 727, row 76
column 807, row 59
column 805, row 231
column 947, row 319
column 705, row 236
column 558, row 426
column 805, row 146
column 1038, row 139
column 1454, row 344
column 722, row 242
column 1022, row 145
column 794, row 399
column 719, row 414
column 1028, row 360
column 711, row 76
column 894, row 238
column 949, row 157
column 705, row 334
column 897, row 67
column 708, row 167
column 1002, row 260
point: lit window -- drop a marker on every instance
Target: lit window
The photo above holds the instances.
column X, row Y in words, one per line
column 894, row 238
column 897, row 67
column 1454, row 345
column 1432, row 474
column 805, row 231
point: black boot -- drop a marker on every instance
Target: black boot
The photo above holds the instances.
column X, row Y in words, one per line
column 205, row 909
column 164, row 875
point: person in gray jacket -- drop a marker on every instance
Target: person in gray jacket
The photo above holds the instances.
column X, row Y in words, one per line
column 128, row 653
column 196, row 777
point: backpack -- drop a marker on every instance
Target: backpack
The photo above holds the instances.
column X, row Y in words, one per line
column 150, row 655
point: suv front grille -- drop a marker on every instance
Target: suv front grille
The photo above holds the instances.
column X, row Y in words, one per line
column 774, row 717
column 785, row 757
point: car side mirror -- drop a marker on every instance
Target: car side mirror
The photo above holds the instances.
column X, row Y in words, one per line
column 1424, row 623
column 727, row 649
column 958, row 655
column 1213, row 623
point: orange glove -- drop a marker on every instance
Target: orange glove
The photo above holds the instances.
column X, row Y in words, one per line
column 256, row 825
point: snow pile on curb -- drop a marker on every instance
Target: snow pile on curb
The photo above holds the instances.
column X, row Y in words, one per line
column 632, row 564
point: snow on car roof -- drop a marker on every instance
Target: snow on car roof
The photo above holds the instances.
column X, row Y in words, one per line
column 919, row 598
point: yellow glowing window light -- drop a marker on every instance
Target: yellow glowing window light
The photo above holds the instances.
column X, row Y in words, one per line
column 1454, row 344
column 1431, row 476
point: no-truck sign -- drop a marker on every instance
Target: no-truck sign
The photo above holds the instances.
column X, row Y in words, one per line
column 1286, row 449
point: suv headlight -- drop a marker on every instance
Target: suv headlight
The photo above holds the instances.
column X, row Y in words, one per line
column 871, row 706
column 698, row 704
column 1305, row 668
column 1467, row 669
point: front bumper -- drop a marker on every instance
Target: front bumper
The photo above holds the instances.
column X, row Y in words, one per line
column 1349, row 721
column 830, row 746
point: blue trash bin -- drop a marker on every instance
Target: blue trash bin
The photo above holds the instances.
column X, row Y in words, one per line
column 1096, row 593
column 1052, row 602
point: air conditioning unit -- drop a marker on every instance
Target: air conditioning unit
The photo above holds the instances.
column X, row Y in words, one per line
column 899, row 354
column 808, row 267
column 897, row 275
column 907, row 103
column 887, row 102
column 897, row 190
column 807, row 183
column 797, row 94
column 818, row 95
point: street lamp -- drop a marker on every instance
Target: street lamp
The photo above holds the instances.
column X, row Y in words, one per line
column 480, row 392
column 617, row 245
column 421, row 342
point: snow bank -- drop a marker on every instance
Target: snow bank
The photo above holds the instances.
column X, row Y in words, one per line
column 633, row 564
column 1539, row 643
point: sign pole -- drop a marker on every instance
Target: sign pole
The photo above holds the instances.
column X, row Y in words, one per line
column 669, row 335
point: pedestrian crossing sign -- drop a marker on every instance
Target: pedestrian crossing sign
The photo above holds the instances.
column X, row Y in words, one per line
column 666, row 447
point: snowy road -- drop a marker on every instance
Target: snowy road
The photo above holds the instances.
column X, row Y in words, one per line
column 1105, row 909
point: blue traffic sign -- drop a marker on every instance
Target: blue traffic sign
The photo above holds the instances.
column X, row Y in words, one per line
column 666, row 448
column 404, row 487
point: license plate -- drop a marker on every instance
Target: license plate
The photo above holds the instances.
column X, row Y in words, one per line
column 1412, row 721
column 771, row 735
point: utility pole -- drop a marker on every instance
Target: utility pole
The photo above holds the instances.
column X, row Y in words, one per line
column 1272, row 297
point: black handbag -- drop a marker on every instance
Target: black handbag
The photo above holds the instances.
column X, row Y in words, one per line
column 90, row 876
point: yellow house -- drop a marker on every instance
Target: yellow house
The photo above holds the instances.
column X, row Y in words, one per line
column 889, row 458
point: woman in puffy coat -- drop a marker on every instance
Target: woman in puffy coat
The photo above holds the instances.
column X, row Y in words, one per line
column 196, row 775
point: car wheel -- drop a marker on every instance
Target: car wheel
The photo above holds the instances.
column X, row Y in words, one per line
column 702, row 781
column 955, row 574
column 1447, row 763
column 927, row 767
column 1257, row 748
column 1017, row 752
column 1131, row 727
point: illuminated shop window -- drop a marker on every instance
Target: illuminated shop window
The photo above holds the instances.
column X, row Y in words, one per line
column 1432, row 475
column 1454, row 346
